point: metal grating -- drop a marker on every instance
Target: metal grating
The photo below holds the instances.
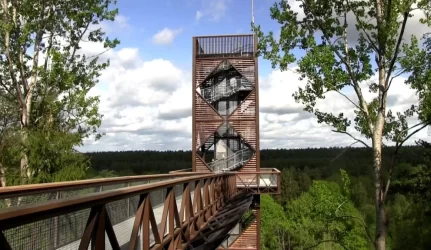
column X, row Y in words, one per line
column 225, row 46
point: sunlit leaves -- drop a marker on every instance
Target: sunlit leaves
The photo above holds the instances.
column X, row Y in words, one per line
column 45, row 68
column 319, row 215
column 333, row 62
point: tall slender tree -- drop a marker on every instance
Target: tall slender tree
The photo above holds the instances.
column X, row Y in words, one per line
column 336, row 61
column 43, row 68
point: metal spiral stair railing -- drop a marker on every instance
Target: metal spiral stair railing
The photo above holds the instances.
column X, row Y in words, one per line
column 231, row 162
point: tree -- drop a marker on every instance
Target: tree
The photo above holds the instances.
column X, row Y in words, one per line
column 273, row 226
column 8, row 120
column 48, row 77
column 333, row 63
column 325, row 215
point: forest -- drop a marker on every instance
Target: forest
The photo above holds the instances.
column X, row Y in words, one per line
column 364, row 52
column 314, row 183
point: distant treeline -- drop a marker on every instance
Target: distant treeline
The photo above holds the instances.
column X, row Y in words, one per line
column 324, row 161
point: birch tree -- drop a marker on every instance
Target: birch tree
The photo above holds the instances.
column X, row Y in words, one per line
column 333, row 63
column 44, row 69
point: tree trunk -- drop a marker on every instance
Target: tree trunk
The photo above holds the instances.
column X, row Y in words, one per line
column 25, row 122
column 2, row 176
column 381, row 226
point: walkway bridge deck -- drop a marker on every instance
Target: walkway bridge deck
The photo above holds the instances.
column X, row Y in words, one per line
column 137, row 212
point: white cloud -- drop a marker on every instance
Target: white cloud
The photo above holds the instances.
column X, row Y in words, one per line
column 413, row 27
column 284, row 124
column 147, row 105
column 214, row 10
column 166, row 36
column 139, row 114
column 199, row 15
column 119, row 26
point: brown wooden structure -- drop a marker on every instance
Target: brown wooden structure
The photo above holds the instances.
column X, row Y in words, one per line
column 226, row 115
column 168, row 211
column 225, row 104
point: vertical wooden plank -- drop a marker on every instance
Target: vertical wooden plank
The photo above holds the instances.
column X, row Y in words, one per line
column 256, row 80
column 193, row 103
column 137, row 223
column 89, row 229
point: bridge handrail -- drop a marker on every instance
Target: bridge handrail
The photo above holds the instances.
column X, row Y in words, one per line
column 215, row 188
column 16, row 216
column 31, row 189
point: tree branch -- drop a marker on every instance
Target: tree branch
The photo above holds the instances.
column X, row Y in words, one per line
column 336, row 157
column 345, row 96
column 397, row 48
column 354, row 138
column 397, row 148
column 349, row 70
column 354, row 217
column 363, row 30
column 367, row 230
column 395, row 76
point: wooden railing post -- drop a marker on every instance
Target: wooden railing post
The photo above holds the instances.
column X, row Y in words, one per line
column 182, row 224
column 98, row 222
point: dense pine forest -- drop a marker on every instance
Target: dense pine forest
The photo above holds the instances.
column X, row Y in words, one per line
column 314, row 183
column 317, row 163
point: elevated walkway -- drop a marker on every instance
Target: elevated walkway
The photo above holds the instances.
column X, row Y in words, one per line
column 147, row 212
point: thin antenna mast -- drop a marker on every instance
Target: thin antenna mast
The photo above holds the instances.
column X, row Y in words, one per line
column 252, row 11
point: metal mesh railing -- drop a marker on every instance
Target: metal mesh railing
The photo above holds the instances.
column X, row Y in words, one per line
column 225, row 46
column 231, row 162
column 31, row 196
column 64, row 232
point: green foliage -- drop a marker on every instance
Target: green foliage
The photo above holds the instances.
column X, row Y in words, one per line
column 300, row 167
column 46, row 79
column 324, row 214
column 410, row 224
column 334, row 63
column 273, row 224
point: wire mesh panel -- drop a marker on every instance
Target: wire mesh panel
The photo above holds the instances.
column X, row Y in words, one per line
column 122, row 215
column 59, row 232
column 30, row 197
column 225, row 46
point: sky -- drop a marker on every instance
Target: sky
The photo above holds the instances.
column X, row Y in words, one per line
column 146, row 96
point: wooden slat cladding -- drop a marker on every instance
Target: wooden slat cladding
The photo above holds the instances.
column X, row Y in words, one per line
column 247, row 179
column 204, row 130
column 247, row 239
column 250, row 166
column 245, row 67
column 247, row 130
column 204, row 111
column 203, row 69
column 247, row 109
column 201, row 166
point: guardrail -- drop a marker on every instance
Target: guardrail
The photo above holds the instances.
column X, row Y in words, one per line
column 225, row 46
column 27, row 194
column 161, row 211
column 231, row 162
column 54, row 224
column 267, row 181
